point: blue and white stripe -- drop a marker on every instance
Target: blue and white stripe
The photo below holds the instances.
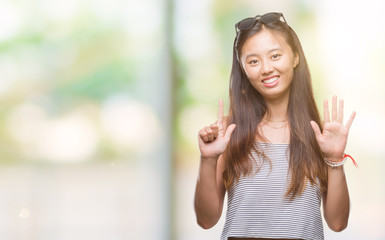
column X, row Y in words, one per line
column 257, row 206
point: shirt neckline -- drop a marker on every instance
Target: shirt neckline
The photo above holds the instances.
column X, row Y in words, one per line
column 270, row 143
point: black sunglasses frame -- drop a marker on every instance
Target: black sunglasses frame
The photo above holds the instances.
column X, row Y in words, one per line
column 267, row 18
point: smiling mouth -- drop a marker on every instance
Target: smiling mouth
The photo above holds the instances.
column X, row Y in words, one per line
column 270, row 80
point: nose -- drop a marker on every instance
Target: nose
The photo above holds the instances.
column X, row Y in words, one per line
column 267, row 68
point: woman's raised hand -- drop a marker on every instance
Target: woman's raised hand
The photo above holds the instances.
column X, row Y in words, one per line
column 334, row 137
column 213, row 139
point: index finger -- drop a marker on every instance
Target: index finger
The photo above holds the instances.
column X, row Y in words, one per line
column 220, row 113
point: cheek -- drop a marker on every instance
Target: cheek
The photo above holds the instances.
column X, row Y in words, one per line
column 286, row 68
column 252, row 72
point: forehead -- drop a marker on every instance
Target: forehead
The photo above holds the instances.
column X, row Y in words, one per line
column 263, row 42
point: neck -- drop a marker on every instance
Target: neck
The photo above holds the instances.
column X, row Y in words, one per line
column 277, row 109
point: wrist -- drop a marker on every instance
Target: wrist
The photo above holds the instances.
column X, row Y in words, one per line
column 335, row 157
column 209, row 158
column 334, row 162
column 335, row 168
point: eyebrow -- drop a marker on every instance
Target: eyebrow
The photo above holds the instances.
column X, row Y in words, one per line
column 256, row 55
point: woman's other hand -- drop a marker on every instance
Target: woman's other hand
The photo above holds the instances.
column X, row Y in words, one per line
column 334, row 137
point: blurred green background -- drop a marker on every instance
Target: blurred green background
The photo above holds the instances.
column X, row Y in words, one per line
column 101, row 102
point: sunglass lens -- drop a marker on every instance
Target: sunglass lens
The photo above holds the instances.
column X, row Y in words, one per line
column 270, row 18
column 246, row 23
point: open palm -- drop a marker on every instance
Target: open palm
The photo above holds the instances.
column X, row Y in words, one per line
column 334, row 137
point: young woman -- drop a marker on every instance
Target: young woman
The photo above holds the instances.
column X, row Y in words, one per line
column 272, row 155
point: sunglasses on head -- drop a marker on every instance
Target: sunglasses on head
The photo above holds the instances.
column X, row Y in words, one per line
column 267, row 18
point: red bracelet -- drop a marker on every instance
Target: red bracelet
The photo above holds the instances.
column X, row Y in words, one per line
column 354, row 162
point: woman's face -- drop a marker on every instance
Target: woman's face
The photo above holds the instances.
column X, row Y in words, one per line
column 269, row 64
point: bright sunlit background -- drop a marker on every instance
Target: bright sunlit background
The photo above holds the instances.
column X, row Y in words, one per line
column 101, row 102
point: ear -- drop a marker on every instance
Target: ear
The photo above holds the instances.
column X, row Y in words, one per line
column 296, row 60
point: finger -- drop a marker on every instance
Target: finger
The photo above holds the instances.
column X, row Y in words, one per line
column 209, row 132
column 220, row 113
column 214, row 128
column 203, row 135
column 326, row 111
column 341, row 112
column 334, row 109
column 229, row 131
column 224, row 120
column 350, row 121
column 316, row 129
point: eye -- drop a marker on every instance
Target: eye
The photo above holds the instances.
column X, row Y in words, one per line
column 254, row 61
column 275, row 56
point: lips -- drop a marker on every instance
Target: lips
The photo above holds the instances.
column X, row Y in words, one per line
column 271, row 81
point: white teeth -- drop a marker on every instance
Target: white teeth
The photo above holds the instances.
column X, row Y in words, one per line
column 271, row 80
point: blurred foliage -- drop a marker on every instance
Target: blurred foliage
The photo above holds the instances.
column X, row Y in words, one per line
column 60, row 65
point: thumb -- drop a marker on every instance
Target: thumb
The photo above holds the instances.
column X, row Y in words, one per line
column 316, row 129
column 229, row 131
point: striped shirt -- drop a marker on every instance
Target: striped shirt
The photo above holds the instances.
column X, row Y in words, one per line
column 257, row 206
